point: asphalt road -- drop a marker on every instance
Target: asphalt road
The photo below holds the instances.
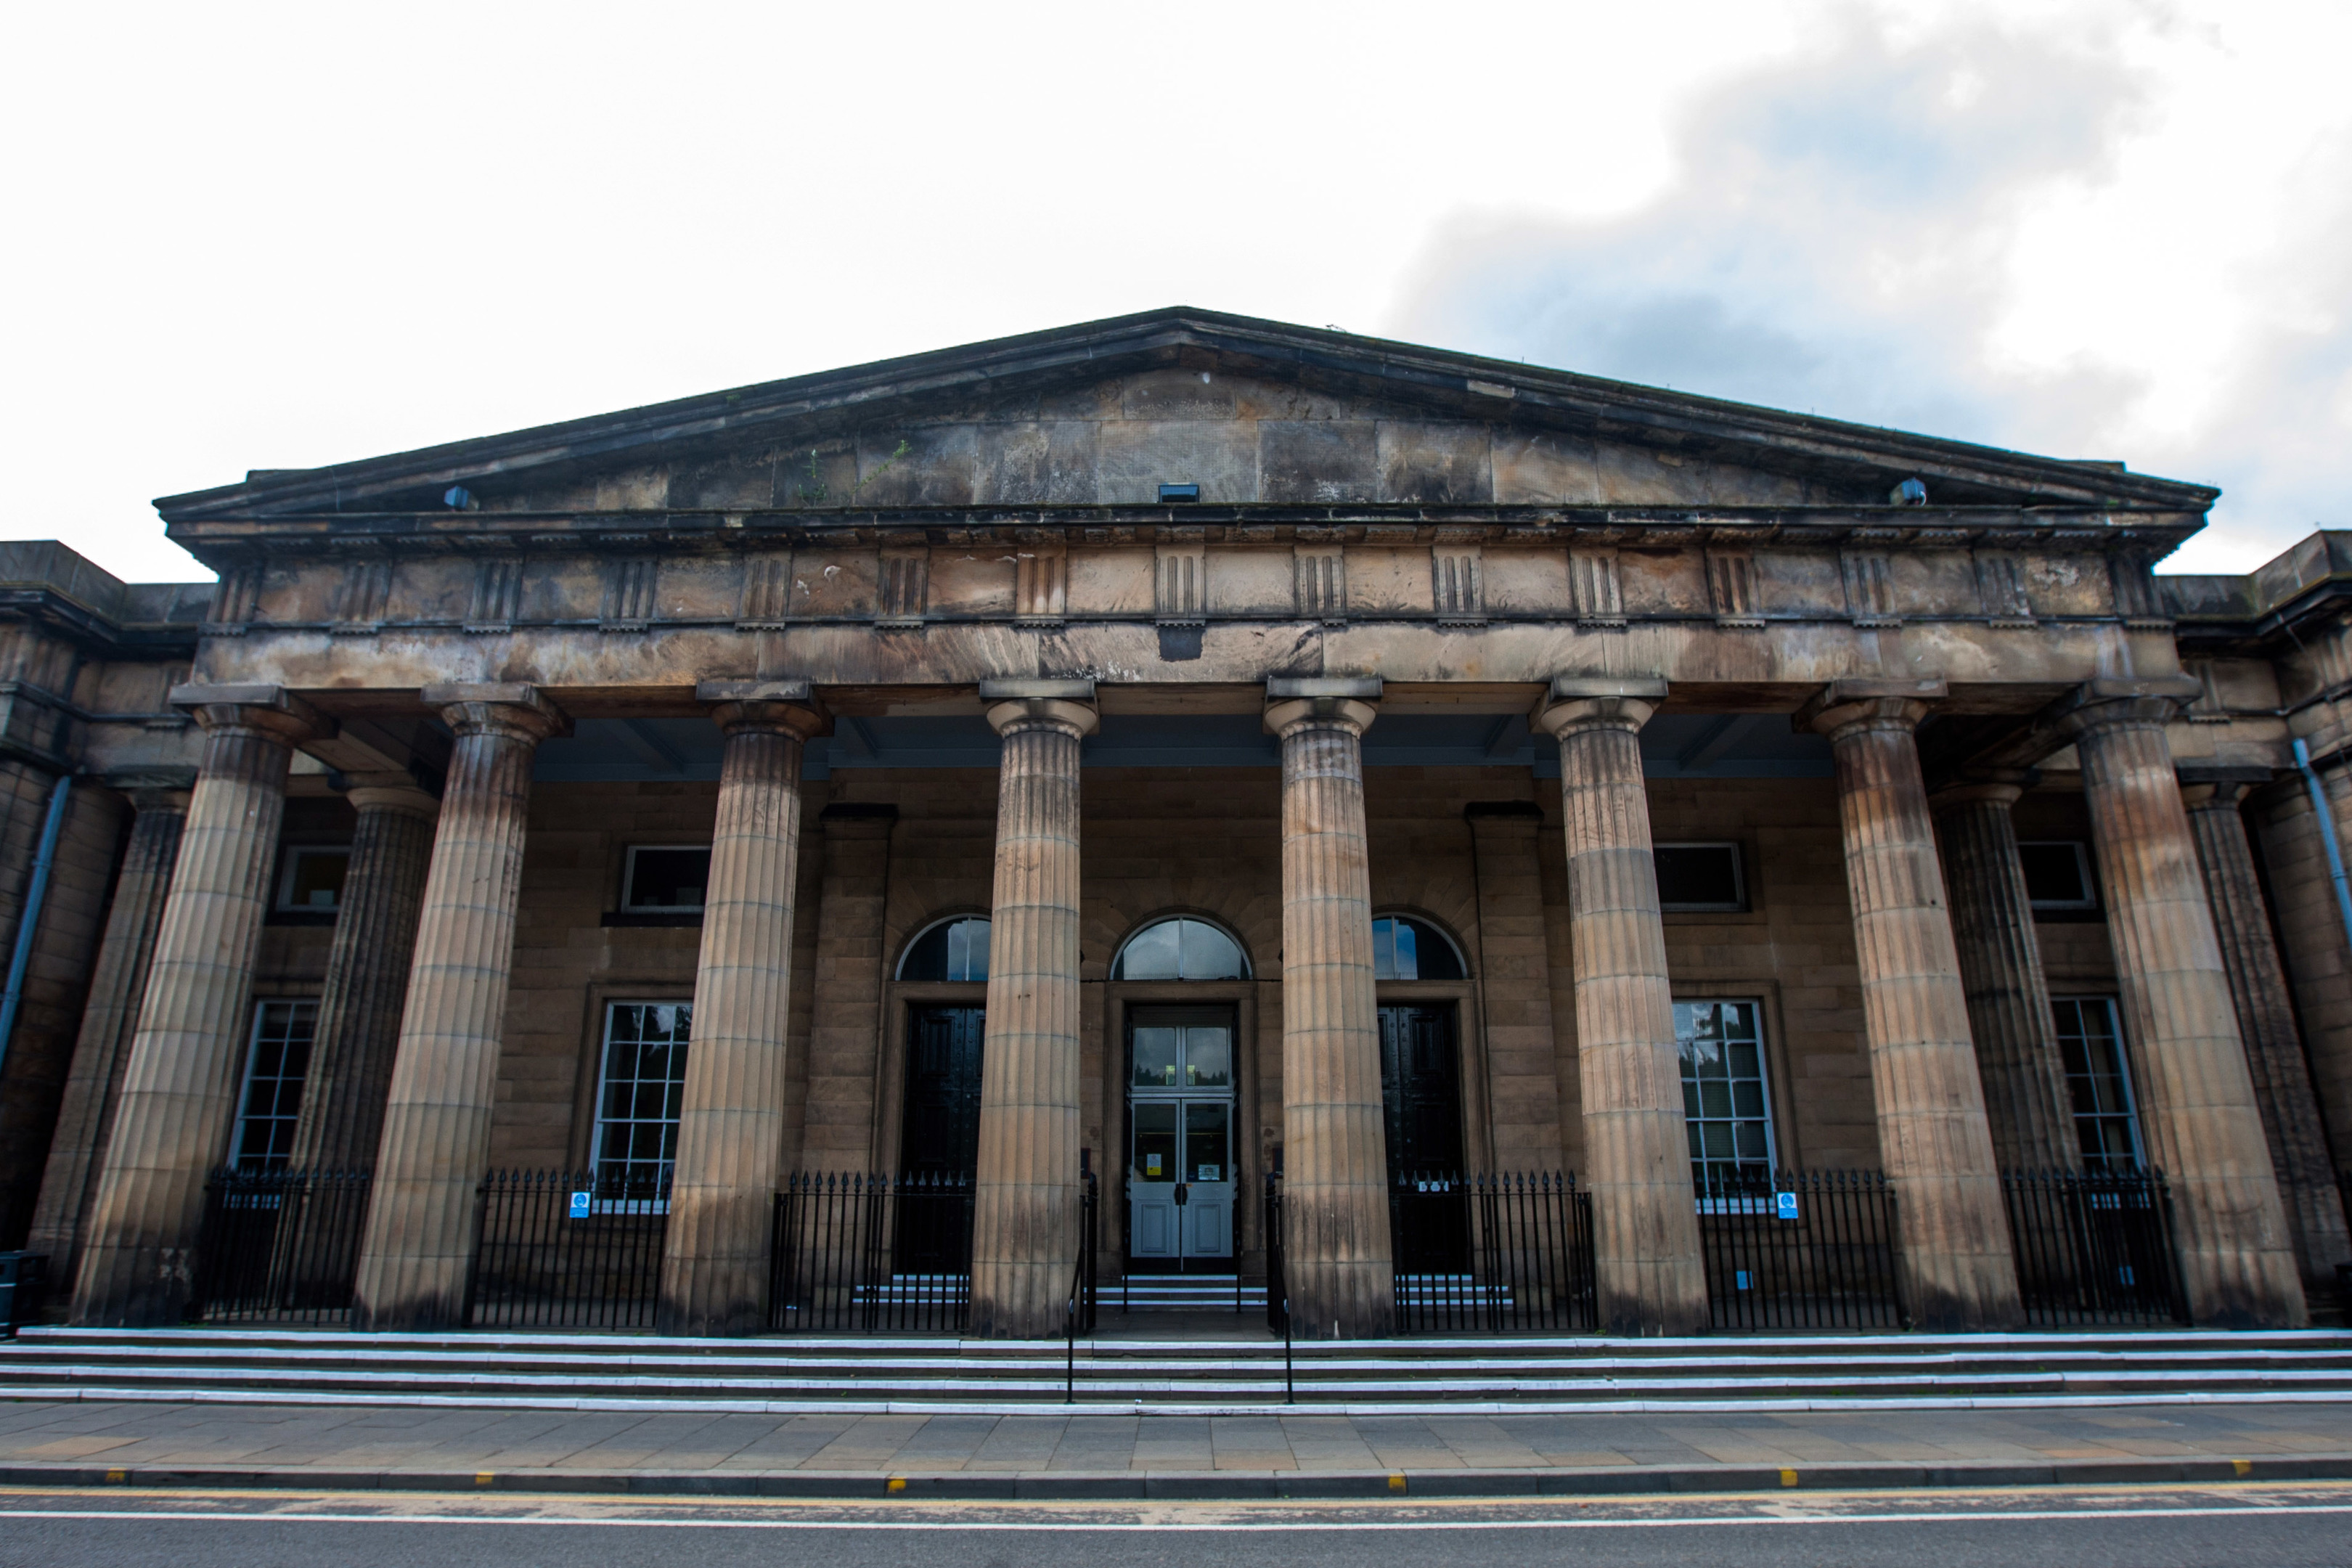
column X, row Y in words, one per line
column 2179, row 1527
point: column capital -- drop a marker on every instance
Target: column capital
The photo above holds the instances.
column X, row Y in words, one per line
column 1596, row 702
column 520, row 711
column 1349, row 701
column 2000, row 786
column 272, row 711
column 2112, row 704
column 391, row 792
column 2218, row 787
column 782, row 707
column 1015, row 705
column 1868, row 703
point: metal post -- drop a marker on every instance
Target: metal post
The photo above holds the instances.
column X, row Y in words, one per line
column 27, row 928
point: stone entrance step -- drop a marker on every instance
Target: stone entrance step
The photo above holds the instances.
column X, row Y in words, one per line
column 504, row 1369
column 1180, row 1293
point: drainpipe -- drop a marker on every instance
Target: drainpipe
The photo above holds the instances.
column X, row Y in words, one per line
column 34, row 892
column 2327, row 836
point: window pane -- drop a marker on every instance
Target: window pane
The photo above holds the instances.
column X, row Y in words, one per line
column 644, row 1076
column 277, row 1059
column 1725, row 1101
column 1206, row 953
column 1155, row 1141
column 1208, row 1057
column 313, row 878
column 2056, row 874
column 1206, row 1128
column 1697, row 876
column 2098, row 1083
column 664, row 878
column 952, row 950
column 1384, row 956
column 1156, row 1058
column 1155, row 953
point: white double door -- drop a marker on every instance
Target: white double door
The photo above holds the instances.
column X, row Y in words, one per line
column 1179, row 1171
column 1181, row 1181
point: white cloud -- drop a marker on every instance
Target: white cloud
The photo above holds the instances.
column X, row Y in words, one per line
column 2104, row 232
column 280, row 235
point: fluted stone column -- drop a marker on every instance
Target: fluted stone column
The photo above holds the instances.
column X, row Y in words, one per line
column 2016, row 1036
column 730, row 1128
column 1337, row 1258
column 1650, row 1274
column 436, row 1126
column 2196, row 1097
column 2274, row 1055
column 1025, row 1240
column 367, row 977
column 187, row 1054
column 93, row 1087
column 1932, row 1137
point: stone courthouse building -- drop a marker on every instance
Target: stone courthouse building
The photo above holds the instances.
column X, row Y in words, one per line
column 1203, row 747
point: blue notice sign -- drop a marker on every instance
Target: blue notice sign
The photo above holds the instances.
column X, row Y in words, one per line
column 580, row 1205
column 1784, row 1205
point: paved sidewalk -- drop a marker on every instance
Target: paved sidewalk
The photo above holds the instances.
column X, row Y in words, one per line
column 1046, row 1455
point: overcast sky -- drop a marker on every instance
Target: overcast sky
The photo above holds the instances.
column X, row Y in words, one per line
column 247, row 235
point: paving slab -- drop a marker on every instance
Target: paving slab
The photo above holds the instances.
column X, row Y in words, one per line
column 1044, row 1456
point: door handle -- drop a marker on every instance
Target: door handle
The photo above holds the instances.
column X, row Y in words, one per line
column 1180, row 1194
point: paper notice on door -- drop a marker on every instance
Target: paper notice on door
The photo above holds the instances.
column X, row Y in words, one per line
column 1209, row 1173
column 1151, row 1165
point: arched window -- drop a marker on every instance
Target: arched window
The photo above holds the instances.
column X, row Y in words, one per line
column 952, row 949
column 1407, row 949
column 1181, row 950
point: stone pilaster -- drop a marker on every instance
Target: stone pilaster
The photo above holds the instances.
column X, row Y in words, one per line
column 2274, row 1055
column 367, row 977
column 1932, row 1137
column 2196, row 1097
column 845, row 1054
column 1025, row 1207
column 1337, row 1255
column 179, row 1088
column 2000, row 965
column 436, row 1126
column 1514, row 984
column 730, row 1128
column 93, row 1087
column 1651, row 1276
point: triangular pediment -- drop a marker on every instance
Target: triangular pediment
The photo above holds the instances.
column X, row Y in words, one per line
column 1254, row 413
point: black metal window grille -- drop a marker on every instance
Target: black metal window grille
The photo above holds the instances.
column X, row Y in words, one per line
column 279, row 1246
column 1727, row 1110
column 1800, row 1250
column 563, row 1249
column 2091, row 1046
column 277, row 1061
column 2094, row 1246
column 854, row 1253
column 638, row 1100
column 1508, row 1252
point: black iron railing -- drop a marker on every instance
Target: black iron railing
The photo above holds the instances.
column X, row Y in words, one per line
column 2093, row 1247
column 854, row 1253
column 1278, row 1287
column 1509, row 1252
column 1800, row 1250
column 560, row 1249
column 278, row 1247
column 1087, row 1284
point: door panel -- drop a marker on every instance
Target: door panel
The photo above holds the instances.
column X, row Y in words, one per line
column 1179, row 1173
column 939, row 1133
column 1420, row 1090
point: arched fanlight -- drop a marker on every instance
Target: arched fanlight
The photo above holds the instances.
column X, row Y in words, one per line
column 1407, row 949
column 1180, row 949
column 952, row 949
